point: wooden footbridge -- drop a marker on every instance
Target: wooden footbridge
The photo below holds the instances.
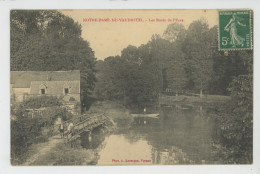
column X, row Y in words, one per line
column 84, row 123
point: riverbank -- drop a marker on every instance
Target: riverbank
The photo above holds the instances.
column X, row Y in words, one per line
column 55, row 152
column 206, row 100
column 157, row 133
column 234, row 125
column 64, row 154
column 117, row 113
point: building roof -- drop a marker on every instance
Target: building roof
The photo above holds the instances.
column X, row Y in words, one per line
column 23, row 79
column 55, row 87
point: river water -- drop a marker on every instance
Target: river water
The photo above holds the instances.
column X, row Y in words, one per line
column 182, row 135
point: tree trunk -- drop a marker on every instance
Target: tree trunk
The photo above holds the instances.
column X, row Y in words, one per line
column 200, row 89
column 124, row 98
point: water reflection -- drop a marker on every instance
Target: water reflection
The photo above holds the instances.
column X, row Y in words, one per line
column 119, row 150
column 171, row 155
column 181, row 135
column 92, row 139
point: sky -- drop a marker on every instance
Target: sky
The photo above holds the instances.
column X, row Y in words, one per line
column 109, row 38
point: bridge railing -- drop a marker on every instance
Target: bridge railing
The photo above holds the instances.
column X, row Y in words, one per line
column 87, row 122
column 73, row 120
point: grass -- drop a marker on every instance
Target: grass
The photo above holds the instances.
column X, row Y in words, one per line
column 64, row 154
column 206, row 99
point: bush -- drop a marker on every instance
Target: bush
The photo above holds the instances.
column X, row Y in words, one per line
column 23, row 133
column 52, row 113
column 236, row 120
column 41, row 101
column 26, row 130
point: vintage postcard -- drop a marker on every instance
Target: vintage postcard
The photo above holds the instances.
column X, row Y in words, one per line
column 131, row 87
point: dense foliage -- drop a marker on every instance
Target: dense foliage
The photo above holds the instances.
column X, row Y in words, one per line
column 46, row 40
column 182, row 61
column 235, row 121
column 41, row 101
column 188, row 61
column 30, row 127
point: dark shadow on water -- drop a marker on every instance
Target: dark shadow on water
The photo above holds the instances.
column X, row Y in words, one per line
column 92, row 139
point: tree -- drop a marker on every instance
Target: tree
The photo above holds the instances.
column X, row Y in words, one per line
column 174, row 32
column 111, row 78
column 175, row 62
column 197, row 46
column 50, row 41
column 140, row 75
column 177, row 78
column 181, row 60
column 131, row 54
column 134, row 77
column 235, row 120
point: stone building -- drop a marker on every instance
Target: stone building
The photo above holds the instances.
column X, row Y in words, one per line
column 63, row 84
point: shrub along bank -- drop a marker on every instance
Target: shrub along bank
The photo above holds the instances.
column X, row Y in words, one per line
column 27, row 130
column 235, row 122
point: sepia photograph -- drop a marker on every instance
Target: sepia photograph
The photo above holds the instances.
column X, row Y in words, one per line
column 131, row 87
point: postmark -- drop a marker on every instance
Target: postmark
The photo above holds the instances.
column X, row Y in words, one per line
column 235, row 30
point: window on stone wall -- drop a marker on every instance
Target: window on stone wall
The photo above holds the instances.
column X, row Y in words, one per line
column 66, row 91
column 42, row 91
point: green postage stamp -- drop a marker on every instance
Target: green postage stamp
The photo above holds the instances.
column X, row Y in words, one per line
column 235, row 30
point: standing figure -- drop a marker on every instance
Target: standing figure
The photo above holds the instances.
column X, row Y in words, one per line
column 61, row 129
column 231, row 27
column 145, row 110
column 70, row 127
